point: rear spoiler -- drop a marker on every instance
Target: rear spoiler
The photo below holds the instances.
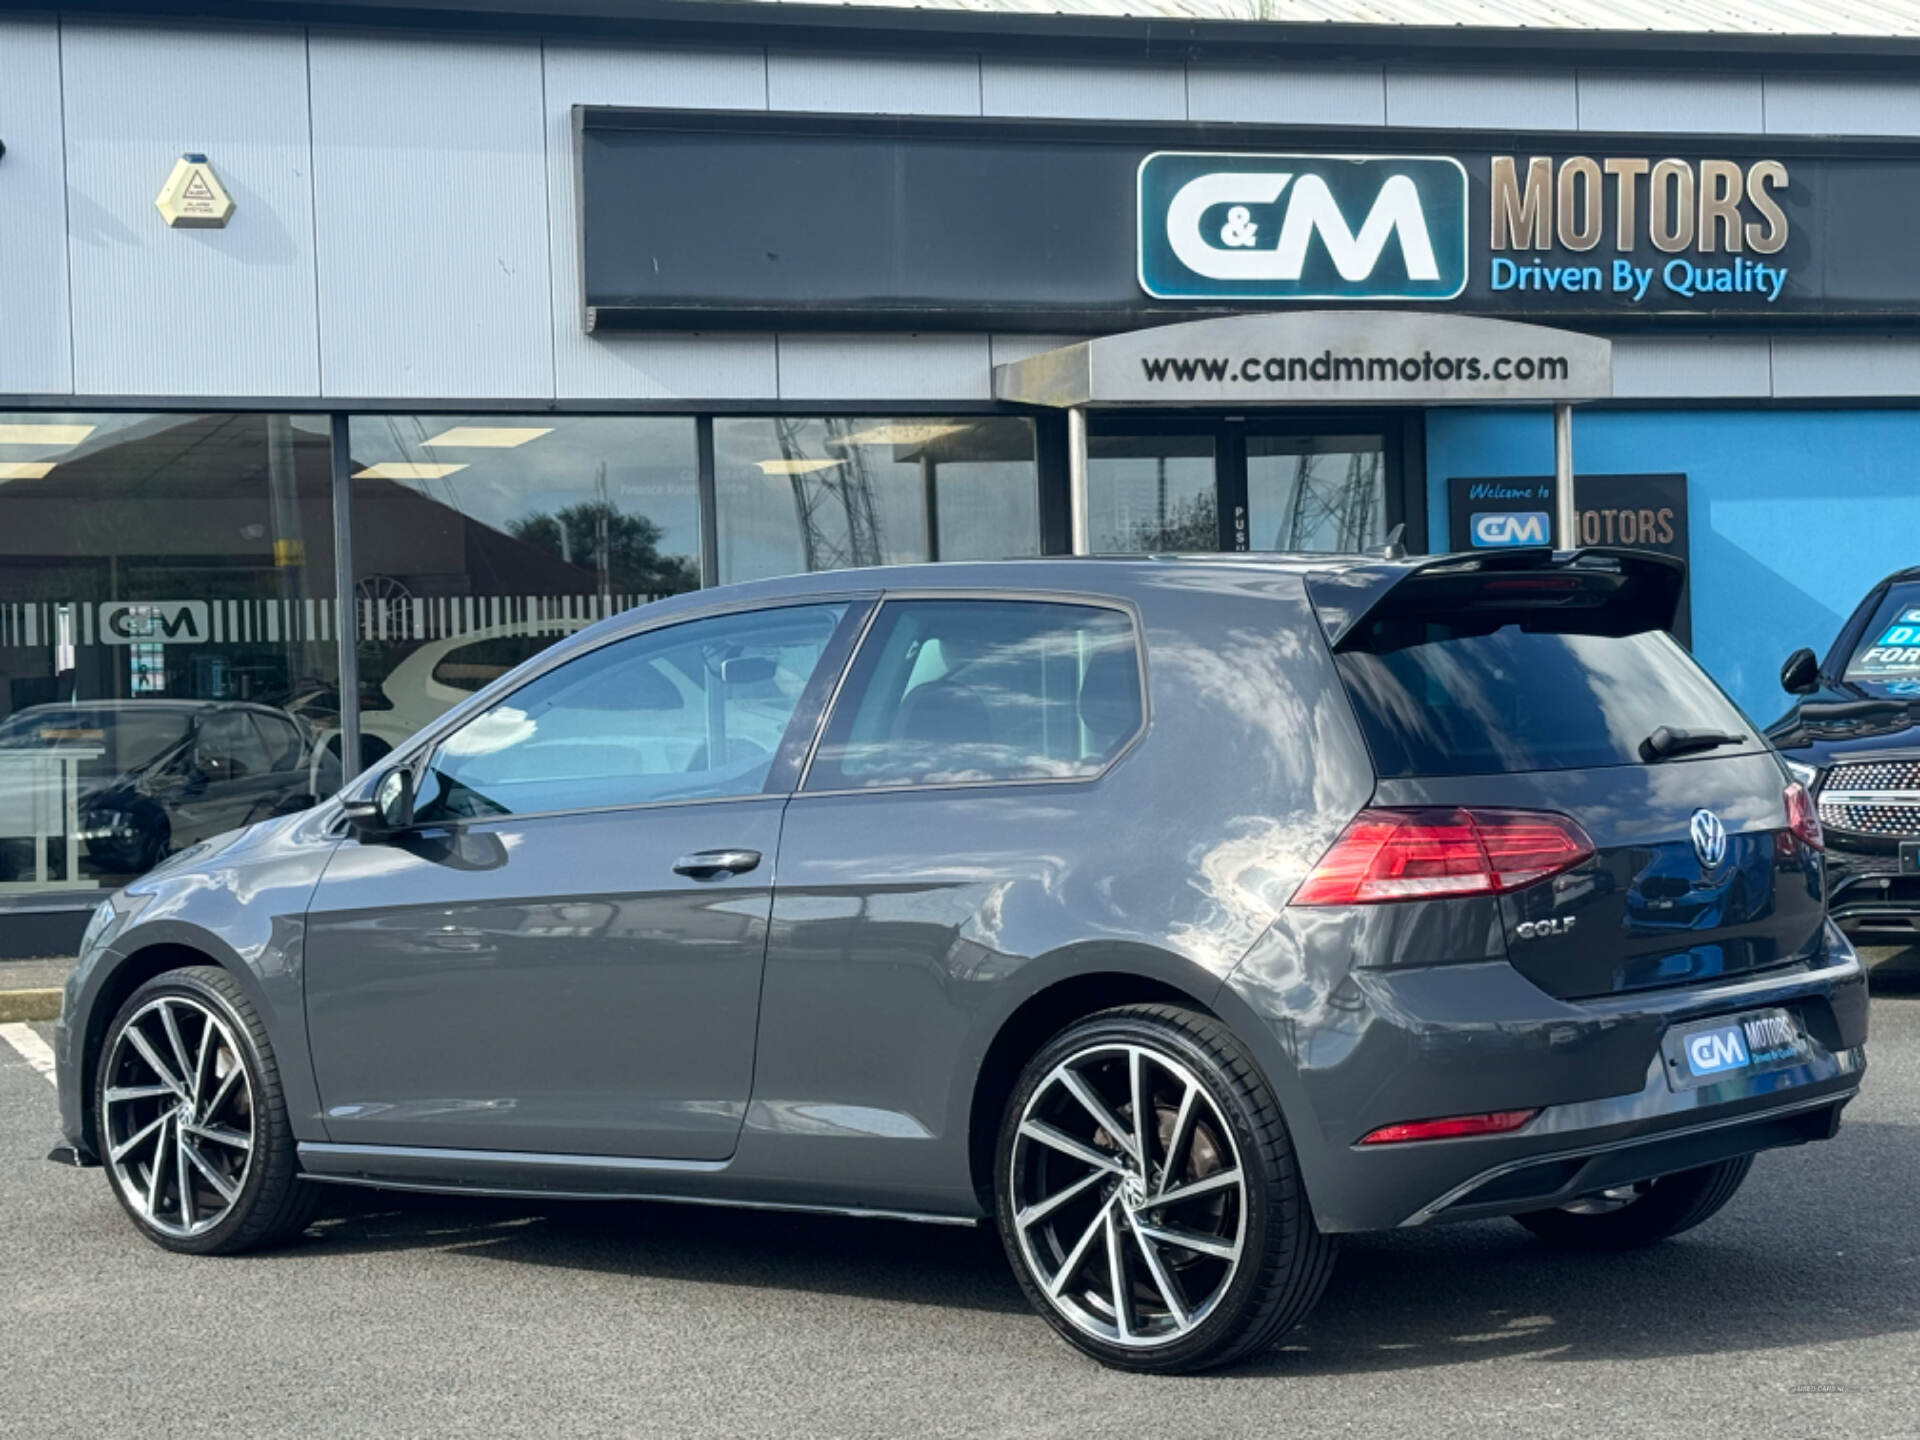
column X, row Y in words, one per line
column 1622, row 591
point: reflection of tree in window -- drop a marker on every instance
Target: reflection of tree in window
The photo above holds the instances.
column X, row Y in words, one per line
column 623, row 550
column 1189, row 524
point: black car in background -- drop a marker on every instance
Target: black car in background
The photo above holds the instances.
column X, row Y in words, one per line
column 157, row 775
column 1852, row 737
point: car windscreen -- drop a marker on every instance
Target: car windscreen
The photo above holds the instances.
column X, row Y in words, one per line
column 1481, row 695
column 1889, row 648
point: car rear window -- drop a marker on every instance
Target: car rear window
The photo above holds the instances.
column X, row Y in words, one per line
column 1475, row 696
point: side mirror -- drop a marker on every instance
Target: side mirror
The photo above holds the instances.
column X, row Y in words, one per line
column 1801, row 674
column 387, row 810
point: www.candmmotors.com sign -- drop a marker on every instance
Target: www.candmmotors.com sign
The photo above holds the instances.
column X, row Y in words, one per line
column 1229, row 226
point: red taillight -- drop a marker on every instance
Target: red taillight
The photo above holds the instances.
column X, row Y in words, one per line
column 1426, row 854
column 1803, row 819
column 1494, row 1122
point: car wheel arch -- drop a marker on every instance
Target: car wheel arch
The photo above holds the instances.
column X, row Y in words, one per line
column 1119, row 978
column 134, row 969
column 1053, row 991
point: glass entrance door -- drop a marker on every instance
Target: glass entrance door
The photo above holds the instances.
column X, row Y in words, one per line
column 1159, row 482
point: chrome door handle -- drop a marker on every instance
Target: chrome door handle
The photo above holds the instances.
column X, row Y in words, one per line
column 712, row 864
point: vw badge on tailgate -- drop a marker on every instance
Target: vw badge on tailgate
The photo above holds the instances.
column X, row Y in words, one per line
column 1709, row 838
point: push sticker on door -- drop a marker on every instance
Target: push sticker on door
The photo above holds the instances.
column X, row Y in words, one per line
column 1302, row 227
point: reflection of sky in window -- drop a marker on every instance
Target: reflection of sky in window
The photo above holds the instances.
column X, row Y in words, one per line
column 868, row 501
column 650, row 467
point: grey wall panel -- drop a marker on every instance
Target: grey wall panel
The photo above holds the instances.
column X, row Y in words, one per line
column 430, row 190
column 1483, row 99
column 36, row 343
column 1091, row 92
column 874, row 84
column 1674, row 367
column 885, row 367
column 1818, row 367
column 1670, row 104
column 671, row 367
column 653, row 367
column 1855, row 105
column 1269, row 95
column 189, row 312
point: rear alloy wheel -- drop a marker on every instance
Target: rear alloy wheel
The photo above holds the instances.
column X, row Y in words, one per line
column 1148, row 1197
column 192, row 1126
column 1629, row 1216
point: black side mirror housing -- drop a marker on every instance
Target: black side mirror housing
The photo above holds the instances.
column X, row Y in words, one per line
column 387, row 810
column 1801, row 673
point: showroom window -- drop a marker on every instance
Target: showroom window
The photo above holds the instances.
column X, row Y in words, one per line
column 478, row 540
column 171, row 628
column 795, row 494
column 167, row 635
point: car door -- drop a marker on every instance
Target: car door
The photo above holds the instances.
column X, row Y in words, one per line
column 563, row 953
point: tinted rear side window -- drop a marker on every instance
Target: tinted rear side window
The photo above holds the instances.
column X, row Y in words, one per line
column 1441, row 699
column 973, row 691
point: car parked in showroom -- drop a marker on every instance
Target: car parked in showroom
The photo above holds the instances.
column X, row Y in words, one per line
column 158, row 774
column 1180, row 914
column 1852, row 737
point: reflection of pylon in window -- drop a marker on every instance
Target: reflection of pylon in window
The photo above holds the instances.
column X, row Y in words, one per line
column 839, row 520
column 1338, row 514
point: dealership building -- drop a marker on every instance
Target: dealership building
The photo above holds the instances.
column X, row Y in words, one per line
column 393, row 341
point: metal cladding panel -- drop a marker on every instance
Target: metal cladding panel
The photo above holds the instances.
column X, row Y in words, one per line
column 1818, row 367
column 1483, row 99
column 37, row 351
column 1266, row 95
column 1009, row 348
column 1830, row 105
column 874, row 84
column 885, row 367
column 1672, row 367
column 1671, row 104
column 159, row 311
column 650, row 366
column 1088, row 92
column 431, row 201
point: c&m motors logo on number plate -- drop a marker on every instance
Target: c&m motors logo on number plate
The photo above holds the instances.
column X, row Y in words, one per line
column 1236, row 226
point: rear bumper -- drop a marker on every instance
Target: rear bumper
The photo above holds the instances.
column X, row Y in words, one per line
column 1400, row 1045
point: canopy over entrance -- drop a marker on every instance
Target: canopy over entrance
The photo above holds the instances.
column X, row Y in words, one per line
column 1319, row 357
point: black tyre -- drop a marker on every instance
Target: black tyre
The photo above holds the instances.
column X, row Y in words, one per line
column 1642, row 1214
column 192, row 1122
column 1148, row 1196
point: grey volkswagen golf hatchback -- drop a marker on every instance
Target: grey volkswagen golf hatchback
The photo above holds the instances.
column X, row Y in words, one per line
column 1178, row 914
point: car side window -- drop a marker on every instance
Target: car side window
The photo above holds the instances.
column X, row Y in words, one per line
column 227, row 747
column 689, row 711
column 970, row 691
column 282, row 739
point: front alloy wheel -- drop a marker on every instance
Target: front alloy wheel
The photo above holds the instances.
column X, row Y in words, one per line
column 1148, row 1196
column 191, row 1121
column 178, row 1109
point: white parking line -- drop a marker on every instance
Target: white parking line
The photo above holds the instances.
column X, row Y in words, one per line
column 35, row 1051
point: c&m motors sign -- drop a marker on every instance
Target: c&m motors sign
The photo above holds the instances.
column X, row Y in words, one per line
column 1236, row 226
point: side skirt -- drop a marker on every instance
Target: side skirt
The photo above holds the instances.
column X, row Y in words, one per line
column 530, row 1176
